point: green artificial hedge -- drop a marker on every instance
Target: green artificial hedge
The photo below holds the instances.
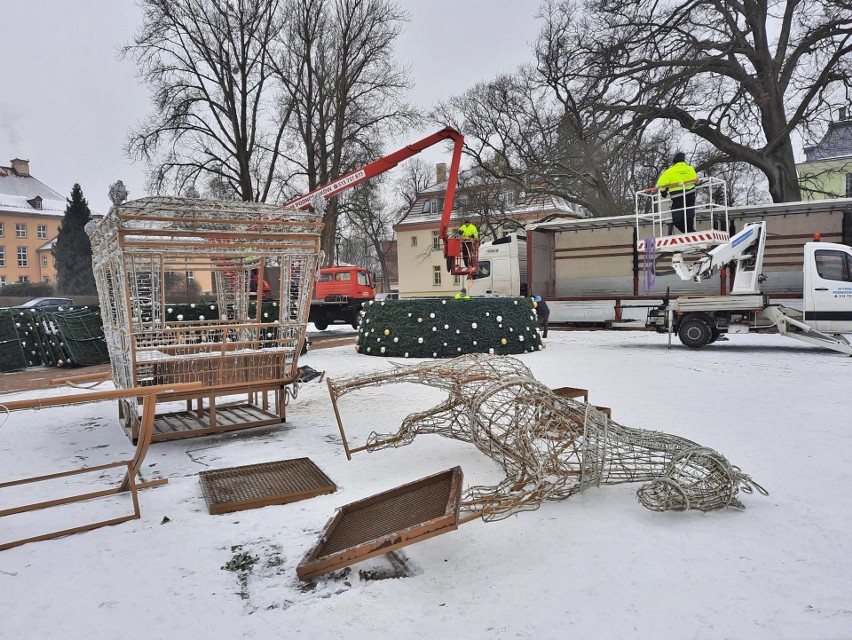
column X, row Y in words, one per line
column 446, row 328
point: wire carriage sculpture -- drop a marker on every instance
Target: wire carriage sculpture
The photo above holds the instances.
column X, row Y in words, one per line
column 550, row 447
column 138, row 243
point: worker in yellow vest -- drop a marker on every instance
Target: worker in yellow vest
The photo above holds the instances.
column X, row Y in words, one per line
column 468, row 233
column 678, row 182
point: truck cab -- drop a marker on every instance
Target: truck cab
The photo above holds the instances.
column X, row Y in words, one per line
column 339, row 293
column 348, row 281
column 828, row 287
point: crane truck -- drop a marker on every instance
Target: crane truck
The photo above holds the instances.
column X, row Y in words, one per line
column 826, row 312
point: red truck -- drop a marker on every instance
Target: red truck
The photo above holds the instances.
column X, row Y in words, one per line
column 338, row 295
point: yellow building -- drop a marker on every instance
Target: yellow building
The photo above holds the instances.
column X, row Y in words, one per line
column 495, row 208
column 30, row 215
column 827, row 170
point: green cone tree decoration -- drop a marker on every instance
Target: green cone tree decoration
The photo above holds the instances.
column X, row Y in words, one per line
column 446, row 328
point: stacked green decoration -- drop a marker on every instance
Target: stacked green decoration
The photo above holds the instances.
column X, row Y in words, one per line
column 63, row 338
column 80, row 335
column 40, row 349
column 446, row 328
column 11, row 353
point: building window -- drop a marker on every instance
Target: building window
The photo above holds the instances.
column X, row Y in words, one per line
column 2, row 233
column 456, row 280
column 2, row 256
column 23, row 261
column 23, row 278
column 433, row 206
column 44, row 262
column 436, row 276
column 2, row 281
column 413, row 241
column 21, row 230
column 190, row 275
column 41, row 231
column 436, row 241
column 848, row 192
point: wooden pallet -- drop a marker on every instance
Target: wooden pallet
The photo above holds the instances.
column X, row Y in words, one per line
column 385, row 522
column 190, row 424
column 258, row 485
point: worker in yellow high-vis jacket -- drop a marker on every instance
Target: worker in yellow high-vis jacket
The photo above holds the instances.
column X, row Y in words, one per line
column 468, row 234
column 678, row 182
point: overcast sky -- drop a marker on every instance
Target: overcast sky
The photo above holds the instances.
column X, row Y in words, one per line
column 67, row 102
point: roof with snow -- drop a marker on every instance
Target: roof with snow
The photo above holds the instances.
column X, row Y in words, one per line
column 19, row 193
column 835, row 144
column 428, row 207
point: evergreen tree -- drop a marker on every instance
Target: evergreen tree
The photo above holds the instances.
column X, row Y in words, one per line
column 73, row 250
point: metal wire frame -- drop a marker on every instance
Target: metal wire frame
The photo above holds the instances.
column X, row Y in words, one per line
column 549, row 447
column 139, row 242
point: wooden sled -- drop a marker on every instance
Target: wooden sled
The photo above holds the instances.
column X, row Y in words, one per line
column 129, row 483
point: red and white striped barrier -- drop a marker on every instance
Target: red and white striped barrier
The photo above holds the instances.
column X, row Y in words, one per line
column 686, row 240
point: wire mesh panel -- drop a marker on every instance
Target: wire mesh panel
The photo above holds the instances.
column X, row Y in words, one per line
column 140, row 243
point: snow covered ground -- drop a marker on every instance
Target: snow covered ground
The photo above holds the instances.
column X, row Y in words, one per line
column 597, row 564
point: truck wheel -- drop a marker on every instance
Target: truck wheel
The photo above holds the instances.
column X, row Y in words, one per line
column 715, row 335
column 695, row 332
column 321, row 325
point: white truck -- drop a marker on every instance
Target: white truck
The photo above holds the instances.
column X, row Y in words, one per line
column 826, row 312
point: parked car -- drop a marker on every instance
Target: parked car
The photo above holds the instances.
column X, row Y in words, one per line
column 46, row 304
column 392, row 295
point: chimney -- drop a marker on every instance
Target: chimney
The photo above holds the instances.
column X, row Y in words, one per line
column 441, row 171
column 21, row 167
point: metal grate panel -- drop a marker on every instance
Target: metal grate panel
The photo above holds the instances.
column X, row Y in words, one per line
column 385, row 522
column 259, row 485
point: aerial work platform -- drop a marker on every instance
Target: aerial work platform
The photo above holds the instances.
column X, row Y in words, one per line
column 711, row 220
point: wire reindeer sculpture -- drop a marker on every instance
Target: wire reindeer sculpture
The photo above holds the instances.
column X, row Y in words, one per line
column 550, row 447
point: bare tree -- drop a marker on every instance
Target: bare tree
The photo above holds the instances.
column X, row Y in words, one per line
column 417, row 174
column 217, row 114
column 368, row 226
column 338, row 73
column 544, row 129
column 741, row 75
column 487, row 200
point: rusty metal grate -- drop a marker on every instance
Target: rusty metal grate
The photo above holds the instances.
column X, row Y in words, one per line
column 259, row 485
column 385, row 522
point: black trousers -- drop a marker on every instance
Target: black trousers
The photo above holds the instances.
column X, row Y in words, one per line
column 683, row 210
column 543, row 321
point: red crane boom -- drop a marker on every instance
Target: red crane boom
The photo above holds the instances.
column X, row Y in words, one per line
column 452, row 246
